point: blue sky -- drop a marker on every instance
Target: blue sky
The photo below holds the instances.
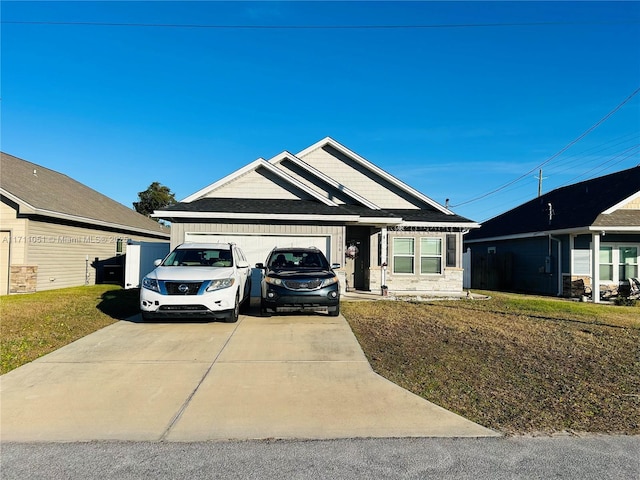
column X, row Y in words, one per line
column 458, row 99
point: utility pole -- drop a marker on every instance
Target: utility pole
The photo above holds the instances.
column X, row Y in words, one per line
column 539, row 177
column 540, row 183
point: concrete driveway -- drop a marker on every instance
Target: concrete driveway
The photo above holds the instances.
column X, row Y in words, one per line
column 302, row 377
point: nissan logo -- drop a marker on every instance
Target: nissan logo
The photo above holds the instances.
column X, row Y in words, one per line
column 183, row 288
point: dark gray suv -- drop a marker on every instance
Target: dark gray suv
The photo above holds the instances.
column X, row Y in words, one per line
column 299, row 279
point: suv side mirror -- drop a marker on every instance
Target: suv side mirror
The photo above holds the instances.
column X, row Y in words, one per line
column 157, row 262
column 260, row 265
column 335, row 265
column 243, row 264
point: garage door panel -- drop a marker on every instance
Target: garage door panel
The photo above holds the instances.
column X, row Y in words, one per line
column 257, row 247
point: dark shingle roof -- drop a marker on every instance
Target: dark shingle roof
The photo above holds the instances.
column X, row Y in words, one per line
column 575, row 206
column 51, row 192
column 254, row 205
column 427, row 215
column 307, row 207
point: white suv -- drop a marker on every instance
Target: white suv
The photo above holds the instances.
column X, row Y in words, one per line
column 197, row 280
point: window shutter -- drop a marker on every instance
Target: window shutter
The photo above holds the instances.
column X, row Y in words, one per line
column 451, row 250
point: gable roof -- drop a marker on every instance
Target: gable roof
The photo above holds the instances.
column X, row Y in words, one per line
column 41, row 191
column 278, row 159
column 253, row 166
column 330, row 142
column 589, row 205
column 315, row 189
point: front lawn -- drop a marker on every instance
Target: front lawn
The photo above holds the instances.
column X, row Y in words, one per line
column 514, row 363
column 32, row 325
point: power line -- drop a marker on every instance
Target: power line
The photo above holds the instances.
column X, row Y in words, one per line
column 628, row 153
column 317, row 27
column 560, row 152
column 585, row 155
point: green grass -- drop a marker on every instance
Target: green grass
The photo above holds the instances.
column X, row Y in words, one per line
column 513, row 363
column 33, row 325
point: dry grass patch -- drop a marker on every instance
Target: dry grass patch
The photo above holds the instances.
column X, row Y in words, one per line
column 33, row 325
column 515, row 364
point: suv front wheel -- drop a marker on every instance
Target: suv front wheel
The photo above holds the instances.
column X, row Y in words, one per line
column 235, row 313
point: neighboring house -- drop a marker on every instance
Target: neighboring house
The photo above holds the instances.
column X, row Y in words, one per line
column 382, row 232
column 56, row 232
column 582, row 235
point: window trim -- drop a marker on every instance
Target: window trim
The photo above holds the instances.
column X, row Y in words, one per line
column 619, row 264
column 412, row 256
column 417, row 255
column 615, row 260
column 440, row 256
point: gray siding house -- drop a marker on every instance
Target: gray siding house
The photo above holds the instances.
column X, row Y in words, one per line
column 585, row 236
column 386, row 235
column 56, row 232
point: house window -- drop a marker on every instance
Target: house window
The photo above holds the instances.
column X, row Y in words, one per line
column 430, row 255
column 606, row 264
column 628, row 263
column 403, row 255
column 581, row 262
column 451, row 251
column 618, row 262
column 119, row 246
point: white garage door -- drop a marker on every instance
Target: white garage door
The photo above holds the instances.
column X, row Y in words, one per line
column 257, row 247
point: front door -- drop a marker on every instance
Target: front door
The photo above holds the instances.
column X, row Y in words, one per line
column 357, row 258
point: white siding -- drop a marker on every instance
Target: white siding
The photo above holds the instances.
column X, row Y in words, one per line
column 324, row 190
column 373, row 188
column 253, row 184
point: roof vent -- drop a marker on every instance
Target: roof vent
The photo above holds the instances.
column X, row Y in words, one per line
column 35, row 173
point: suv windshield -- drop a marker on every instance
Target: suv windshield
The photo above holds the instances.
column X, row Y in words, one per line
column 199, row 257
column 296, row 259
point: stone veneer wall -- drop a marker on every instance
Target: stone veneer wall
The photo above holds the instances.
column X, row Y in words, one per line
column 448, row 283
column 23, row 278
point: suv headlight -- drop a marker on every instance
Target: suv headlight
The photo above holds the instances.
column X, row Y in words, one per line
column 150, row 284
column 220, row 284
column 273, row 281
column 329, row 281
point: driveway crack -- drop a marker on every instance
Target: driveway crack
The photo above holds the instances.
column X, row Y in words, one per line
column 187, row 401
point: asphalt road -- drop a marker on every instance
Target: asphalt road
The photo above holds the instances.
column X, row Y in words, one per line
column 599, row 457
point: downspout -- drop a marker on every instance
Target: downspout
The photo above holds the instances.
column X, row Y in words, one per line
column 559, row 267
